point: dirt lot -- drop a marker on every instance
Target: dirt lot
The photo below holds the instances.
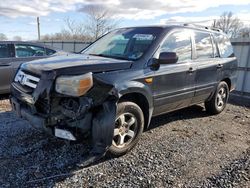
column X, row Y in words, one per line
column 186, row 148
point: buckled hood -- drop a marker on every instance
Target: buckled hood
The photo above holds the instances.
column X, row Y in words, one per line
column 75, row 64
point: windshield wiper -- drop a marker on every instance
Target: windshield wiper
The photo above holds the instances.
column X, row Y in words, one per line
column 110, row 56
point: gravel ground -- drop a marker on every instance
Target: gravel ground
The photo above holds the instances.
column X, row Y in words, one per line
column 186, row 148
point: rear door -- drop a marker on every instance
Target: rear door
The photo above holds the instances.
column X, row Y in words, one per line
column 227, row 63
column 5, row 67
column 206, row 61
column 174, row 85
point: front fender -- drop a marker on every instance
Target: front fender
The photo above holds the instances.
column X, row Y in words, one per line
column 135, row 87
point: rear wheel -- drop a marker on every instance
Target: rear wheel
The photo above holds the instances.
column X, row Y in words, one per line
column 219, row 100
column 129, row 126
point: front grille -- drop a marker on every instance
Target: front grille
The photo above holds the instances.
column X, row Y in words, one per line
column 26, row 80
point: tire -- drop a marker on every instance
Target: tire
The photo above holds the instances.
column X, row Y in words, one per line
column 129, row 126
column 219, row 100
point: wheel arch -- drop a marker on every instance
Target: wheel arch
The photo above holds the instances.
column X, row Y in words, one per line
column 228, row 81
column 142, row 101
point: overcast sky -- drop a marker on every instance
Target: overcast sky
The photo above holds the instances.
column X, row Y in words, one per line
column 18, row 17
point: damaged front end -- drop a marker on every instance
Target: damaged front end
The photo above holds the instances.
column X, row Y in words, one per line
column 67, row 106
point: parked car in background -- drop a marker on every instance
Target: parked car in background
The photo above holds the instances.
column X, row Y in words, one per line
column 13, row 53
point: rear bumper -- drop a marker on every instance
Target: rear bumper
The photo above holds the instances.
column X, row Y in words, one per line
column 23, row 112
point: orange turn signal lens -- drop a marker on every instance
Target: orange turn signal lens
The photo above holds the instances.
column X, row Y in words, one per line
column 149, row 80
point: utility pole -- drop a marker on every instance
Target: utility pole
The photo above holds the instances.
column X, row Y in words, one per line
column 214, row 23
column 38, row 28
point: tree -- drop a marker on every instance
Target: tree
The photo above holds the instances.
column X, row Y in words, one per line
column 74, row 30
column 229, row 24
column 71, row 31
column 100, row 21
column 17, row 38
column 3, row 37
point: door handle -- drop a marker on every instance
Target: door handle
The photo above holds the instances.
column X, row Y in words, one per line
column 219, row 66
column 5, row 64
column 191, row 70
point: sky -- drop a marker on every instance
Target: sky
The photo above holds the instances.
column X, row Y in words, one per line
column 18, row 17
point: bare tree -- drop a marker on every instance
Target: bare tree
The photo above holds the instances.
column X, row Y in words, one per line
column 229, row 24
column 100, row 20
column 3, row 37
column 17, row 38
column 74, row 29
column 71, row 31
column 65, row 36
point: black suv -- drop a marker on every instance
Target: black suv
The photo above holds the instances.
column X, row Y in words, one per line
column 111, row 90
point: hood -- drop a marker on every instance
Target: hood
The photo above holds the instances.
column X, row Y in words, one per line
column 75, row 64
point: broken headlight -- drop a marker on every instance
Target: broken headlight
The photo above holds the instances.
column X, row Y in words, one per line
column 74, row 85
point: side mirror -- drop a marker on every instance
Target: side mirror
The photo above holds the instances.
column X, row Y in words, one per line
column 168, row 58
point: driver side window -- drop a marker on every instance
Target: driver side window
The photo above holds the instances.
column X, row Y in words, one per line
column 180, row 43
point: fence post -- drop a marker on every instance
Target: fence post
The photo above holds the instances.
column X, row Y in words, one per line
column 245, row 72
column 74, row 46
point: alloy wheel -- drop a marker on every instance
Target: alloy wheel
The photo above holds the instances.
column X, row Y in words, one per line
column 125, row 130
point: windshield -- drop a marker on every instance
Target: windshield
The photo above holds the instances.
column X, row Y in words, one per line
column 129, row 44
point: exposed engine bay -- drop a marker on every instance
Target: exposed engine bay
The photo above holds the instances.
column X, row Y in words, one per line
column 70, row 117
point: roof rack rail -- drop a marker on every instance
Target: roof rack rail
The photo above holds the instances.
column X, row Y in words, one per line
column 202, row 27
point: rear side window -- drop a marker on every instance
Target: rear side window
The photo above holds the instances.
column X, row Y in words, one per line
column 50, row 51
column 24, row 50
column 4, row 51
column 224, row 44
column 204, row 48
column 179, row 42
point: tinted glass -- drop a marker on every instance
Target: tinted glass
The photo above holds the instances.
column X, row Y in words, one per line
column 179, row 42
column 4, row 51
column 50, row 52
column 216, row 52
column 129, row 43
column 23, row 50
column 225, row 47
column 204, row 47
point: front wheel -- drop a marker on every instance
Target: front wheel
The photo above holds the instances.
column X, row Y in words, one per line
column 219, row 100
column 129, row 126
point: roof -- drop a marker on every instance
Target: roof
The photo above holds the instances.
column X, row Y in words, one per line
column 184, row 25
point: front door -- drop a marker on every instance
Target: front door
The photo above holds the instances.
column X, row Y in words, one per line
column 174, row 84
column 5, row 67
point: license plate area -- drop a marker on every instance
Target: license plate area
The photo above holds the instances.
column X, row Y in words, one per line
column 64, row 134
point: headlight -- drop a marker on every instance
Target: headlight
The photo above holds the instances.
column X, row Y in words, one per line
column 74, row 85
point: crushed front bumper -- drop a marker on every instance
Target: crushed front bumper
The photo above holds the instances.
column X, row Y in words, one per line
column 23, row 112
column 95, row 117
